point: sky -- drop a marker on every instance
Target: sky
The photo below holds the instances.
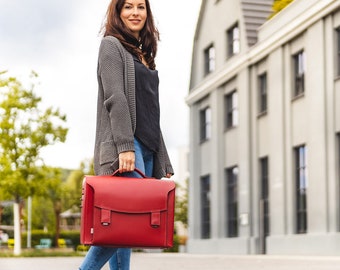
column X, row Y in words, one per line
column 59, row 40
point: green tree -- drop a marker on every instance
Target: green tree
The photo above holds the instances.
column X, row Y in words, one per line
column 61, row 192
column 50, row 203
column 278, row 5
column 181, row 211
column 25, row 129
column 54, row 191
column 42, row 214
column 74, row 183
column 6, row 214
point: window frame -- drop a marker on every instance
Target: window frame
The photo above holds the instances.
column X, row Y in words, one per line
column 205, row 184
column 209, row 59
column 337, row 52
column 264, row 193
column 262, row 93
column 301, row 184
column 338, row 170
column 299, row 69
column 205, row 124
column 232, row 200
column 233, row 40
column 231, row 110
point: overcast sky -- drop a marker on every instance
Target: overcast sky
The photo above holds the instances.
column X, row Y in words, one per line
column 59, row 40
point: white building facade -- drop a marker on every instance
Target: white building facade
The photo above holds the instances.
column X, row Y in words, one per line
column 265, row 129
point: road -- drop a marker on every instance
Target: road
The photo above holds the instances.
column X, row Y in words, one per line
column 183, row 261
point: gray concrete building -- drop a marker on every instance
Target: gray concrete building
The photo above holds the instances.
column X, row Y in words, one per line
column 264, row 104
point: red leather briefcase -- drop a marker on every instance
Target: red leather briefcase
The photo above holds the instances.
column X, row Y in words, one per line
column 127, row 212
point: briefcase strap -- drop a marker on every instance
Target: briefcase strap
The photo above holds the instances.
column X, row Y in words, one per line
column 136, row 170
column 105, row 218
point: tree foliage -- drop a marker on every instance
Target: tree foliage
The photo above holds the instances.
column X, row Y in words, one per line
column 61, row 192
column 278, row 5
column 25, row 129
column 181, row 211
column 74, row 183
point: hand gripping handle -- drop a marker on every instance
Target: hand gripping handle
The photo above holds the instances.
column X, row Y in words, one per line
column 136, row 170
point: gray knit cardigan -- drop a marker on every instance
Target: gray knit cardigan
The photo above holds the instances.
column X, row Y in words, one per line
column 116, row 111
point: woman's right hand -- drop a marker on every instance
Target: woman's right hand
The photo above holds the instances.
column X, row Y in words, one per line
column 126, row 161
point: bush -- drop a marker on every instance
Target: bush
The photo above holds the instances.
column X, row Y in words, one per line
column 36, row 235
column 175, row 247
column 73, row 236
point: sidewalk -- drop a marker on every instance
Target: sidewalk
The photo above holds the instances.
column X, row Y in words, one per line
column 182, row 261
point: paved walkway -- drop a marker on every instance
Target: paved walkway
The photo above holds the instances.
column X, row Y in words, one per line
column 182, row 261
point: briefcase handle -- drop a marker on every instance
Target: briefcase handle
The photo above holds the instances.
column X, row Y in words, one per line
column 136, row 170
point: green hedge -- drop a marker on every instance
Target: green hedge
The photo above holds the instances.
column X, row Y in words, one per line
column 36, row 235
column 175, row 246
column 74, row 236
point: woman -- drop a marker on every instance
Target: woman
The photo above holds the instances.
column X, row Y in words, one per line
column 128, row 134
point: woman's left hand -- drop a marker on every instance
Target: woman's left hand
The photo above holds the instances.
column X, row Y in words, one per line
column 168, row 175
column 126, row 161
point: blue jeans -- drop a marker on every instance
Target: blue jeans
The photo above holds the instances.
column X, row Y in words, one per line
column 119, row 258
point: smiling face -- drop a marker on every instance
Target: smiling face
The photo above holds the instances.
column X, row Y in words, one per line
column 133, row 15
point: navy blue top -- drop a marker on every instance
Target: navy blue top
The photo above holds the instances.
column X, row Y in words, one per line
column 147, row 105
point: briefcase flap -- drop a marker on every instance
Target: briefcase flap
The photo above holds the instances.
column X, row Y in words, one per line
column 130, row 195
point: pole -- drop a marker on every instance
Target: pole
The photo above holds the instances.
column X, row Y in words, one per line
column 29, row 221
column 17, row 234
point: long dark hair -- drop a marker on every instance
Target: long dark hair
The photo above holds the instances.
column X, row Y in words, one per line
column 149, row 35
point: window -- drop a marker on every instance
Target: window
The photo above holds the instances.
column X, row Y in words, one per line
column 233, row 40
column 338, row 167
column 264, row 196
column 205, row 124
column 205, row 207
column 301, row 189
column 232, row 201
column 209, row 59
column 299, row 73
column 262, row 93
column 231, row 110
column 338, row 52
column 338, row 135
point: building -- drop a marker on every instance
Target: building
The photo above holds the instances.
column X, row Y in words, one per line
column 265, row 129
